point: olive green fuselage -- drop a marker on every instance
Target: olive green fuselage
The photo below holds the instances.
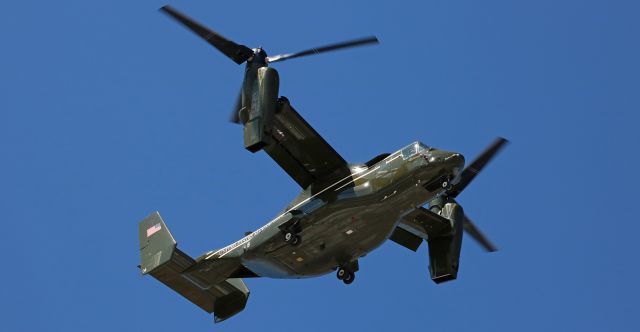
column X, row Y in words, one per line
column 347, row 219
column 344, row 211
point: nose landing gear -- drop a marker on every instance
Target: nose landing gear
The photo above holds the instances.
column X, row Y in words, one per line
column 447, row 184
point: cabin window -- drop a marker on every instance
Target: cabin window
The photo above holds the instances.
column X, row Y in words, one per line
column 412, row 150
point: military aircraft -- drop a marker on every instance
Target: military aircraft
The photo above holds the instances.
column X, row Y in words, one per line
column 345, row 210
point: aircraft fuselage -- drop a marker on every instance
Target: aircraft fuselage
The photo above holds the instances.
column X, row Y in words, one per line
column 347, row 219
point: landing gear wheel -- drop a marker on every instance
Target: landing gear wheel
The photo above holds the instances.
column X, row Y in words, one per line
column 296, row 241
column 348, row 279
column 447, row 185
column 345, row 275
column 292, row 239
column 342, row 273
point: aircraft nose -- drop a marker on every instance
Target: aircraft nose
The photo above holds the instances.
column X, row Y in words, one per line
column 455, row 160
column 447, row 158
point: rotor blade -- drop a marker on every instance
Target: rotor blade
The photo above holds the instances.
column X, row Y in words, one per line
column 475, row 233
column 477, row 165
column 235, row 116
column 237, row 53
column 327, row 48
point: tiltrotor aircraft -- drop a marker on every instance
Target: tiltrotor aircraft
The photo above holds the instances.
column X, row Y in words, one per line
column 345, row 210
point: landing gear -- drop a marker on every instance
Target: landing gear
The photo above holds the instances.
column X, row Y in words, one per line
column 291, row 229
column 292, row 238
column 447, row 184
column 347, row 276
column 348, row 279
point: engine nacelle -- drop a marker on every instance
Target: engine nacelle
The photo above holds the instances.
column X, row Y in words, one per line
column 444, row 251
column 259, row 98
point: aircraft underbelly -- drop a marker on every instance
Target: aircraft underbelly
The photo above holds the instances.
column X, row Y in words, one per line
column 331, row 237
column 336, row 234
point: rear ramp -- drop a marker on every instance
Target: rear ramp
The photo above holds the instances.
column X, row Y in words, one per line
column 161, row 259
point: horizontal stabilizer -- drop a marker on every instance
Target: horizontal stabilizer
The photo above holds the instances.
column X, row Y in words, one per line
column 164, row 261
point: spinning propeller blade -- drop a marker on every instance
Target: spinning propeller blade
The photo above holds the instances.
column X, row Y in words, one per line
column 326, row 48
column 237, row 53
column 477, row 165
column 477, row 235
column 467, row 176
column 234, row 116
column 240, row 53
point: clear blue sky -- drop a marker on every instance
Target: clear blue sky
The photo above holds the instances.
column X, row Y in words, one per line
column 109, row 111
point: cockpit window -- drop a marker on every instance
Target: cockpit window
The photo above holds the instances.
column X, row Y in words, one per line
column 412, row 150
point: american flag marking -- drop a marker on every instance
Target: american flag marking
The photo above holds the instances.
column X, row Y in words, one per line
column 153, row 229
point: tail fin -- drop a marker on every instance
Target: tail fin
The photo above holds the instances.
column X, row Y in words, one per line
column 157, row 245
column 161, row 258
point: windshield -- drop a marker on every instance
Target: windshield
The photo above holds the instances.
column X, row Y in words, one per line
column 413, row 149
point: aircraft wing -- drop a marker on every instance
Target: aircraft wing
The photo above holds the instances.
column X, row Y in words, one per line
column 416, row 226
column 301, row 151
